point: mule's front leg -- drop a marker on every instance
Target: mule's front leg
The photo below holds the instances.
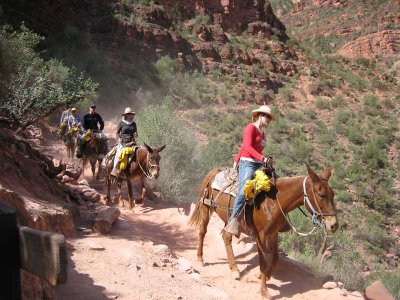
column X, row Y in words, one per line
column 93, row 167
column 129, row 184
column 268, row 253
column 119, row 188
column 98, row 170
column 138, row 185
column 227, row 237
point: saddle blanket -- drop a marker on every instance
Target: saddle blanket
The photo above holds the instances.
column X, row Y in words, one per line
column 226, row 180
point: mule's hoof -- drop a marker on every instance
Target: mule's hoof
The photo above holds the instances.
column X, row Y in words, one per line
column 139, row 204
column 201, row 261
column 235, row 275
column 265, row 295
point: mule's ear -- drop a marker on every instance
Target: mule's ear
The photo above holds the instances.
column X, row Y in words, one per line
column 161, row 148
column 314, row 177
column 326, row 173
column 148, row 148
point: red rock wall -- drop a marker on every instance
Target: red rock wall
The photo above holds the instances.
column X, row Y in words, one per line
column 384, row 43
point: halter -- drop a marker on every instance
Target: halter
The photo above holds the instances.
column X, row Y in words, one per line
column 315, row 214
column 149, row 165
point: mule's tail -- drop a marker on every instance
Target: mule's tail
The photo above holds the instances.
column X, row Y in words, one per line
column 197, row 215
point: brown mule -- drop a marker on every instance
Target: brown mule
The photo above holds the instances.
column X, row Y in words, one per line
column 267, row 217
column 145, row 165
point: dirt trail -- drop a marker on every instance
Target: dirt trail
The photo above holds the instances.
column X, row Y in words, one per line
column 151, row 254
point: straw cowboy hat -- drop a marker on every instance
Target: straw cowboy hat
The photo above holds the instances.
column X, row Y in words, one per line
column 263, row 109
column 128, row 111
column 73, row 109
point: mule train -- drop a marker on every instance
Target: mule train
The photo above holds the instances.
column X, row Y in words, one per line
column 266, row 217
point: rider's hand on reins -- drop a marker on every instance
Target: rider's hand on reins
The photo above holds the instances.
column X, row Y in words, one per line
column 268, row 162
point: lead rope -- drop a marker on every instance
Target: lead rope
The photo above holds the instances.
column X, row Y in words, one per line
column 147, row 175
column 311, row 207
column 149, row 166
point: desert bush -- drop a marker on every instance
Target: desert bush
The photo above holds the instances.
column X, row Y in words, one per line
column 322, row 103
column 374, row 237
column 338, row 101
column 354, row 135
column 32, row 87
column 285, row 93
column 159, row 125
column 215, row 154
column 326, row 137
column 301, row 149
column 190, row 89
column 343, row 196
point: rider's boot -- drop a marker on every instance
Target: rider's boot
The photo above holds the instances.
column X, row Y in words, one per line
column 116, row 172
column 233, row 226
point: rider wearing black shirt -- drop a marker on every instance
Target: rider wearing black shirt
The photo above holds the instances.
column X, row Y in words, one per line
column 91, row 121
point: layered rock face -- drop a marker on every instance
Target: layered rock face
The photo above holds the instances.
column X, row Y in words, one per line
column 230, row 14
column 384, row 43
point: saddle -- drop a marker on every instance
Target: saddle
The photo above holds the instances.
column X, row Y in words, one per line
column 226, row 181
column 128, row 156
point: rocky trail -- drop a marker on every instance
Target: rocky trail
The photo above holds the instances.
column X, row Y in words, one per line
column 150, row 253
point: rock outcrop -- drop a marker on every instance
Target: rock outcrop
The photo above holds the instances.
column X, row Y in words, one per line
column 379, row 44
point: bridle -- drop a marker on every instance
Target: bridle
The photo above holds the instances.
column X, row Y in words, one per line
column 315, row 214
column 148, row 166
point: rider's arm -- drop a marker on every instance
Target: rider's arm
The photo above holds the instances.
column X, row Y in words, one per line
column 100, row 120
column 119, row 127
column 249, row 137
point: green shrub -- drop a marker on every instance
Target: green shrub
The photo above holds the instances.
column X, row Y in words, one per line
column 355, row 135
column 32, row 88
column 344, row 196
column 338, row 101
column 285, row 93
column 321, row 103
column 159, row 125
column 215, row 154
column 371, row 105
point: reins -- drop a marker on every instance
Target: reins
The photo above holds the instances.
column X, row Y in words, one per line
column 149, row 165
column 315, row 214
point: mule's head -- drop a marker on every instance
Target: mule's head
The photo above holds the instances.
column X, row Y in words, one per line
column 153, row 160
column 321, row 198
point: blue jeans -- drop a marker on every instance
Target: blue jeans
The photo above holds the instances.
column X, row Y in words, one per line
column 246, row 171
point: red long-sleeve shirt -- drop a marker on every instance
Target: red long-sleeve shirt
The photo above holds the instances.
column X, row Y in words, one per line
column 253, row 144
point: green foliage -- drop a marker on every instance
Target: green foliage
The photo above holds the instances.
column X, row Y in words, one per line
column 375, row 239
column 215, row 154
column 322, row 103
column 189, row 89
column 338, row 101
column 32, row 87
column 158, row 125
column 201, row 19
column 285, row 93
column 344, row 196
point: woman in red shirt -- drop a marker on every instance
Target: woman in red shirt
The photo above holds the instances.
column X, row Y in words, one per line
column 249, row 159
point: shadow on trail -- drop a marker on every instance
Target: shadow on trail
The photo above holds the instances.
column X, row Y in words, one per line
column 80, row 286
column 144, row 224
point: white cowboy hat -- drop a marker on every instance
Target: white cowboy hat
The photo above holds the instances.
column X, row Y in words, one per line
column 128, row 110
column 264, row 109
column 73, row 109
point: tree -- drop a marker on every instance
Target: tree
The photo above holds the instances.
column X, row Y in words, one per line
column 30, row 87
